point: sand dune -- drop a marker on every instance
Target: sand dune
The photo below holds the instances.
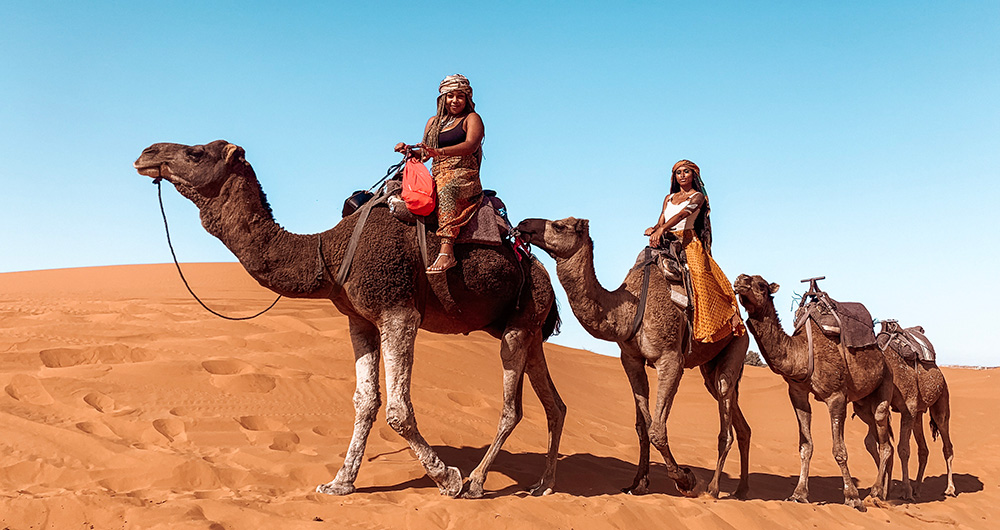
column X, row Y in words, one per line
column 126, row 405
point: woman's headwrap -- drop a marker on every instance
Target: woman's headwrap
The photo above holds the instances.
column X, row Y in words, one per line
column 450, row 84
column 455, row 82
column 703, row 224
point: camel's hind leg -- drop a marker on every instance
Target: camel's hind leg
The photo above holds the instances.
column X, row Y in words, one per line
column 941, row 415
column 922, row 452
column 514, row 346
column 555, row 413
column 722, row 378
column 635, row 369
column 399, row 331
column 863, row 409
column 365, row 339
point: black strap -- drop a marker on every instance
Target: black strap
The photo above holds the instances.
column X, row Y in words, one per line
column 352, row 245
column 641, row 310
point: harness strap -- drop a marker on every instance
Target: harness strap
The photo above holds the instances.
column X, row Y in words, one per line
column 352, row 245
column 641, row 310
column 811, row 363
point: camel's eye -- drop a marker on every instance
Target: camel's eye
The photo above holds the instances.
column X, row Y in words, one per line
column 196, row 153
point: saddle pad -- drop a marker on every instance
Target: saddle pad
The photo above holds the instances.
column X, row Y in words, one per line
column 484, row 227
column 858, row 329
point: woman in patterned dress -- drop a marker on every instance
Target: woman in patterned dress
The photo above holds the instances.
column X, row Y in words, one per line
column 453, row 137
column 685, row 217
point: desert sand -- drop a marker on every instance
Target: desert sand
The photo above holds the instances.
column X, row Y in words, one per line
column 127, row 405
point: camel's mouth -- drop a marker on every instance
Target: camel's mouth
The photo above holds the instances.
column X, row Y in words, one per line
column 153, row 171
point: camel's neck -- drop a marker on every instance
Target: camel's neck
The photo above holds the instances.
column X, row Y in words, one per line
column 779, row 350
column 605, row 315
column 284, row 262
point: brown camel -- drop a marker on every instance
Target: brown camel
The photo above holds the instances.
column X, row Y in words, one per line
column 917, row 388
column 386, row 299
column 660, row 343
column 861, row 378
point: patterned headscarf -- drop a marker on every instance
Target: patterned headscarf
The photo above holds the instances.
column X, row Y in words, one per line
column 450, row 84
column 702, row 225
column 455, row 82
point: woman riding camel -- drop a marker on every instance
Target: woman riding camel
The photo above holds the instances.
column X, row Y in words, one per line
column 685, row 217
column 453, row 138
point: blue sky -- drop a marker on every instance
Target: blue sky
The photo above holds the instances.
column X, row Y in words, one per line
column 856, row 140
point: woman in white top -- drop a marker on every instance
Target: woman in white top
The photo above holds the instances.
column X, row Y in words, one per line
column 685, row 217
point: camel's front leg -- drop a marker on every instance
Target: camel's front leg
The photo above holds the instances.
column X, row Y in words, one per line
column 668, row 377
column 837, row 403
column 881, row 408
column 799, row 396
column 514, row 355
column 399, row 330
column 635, row 368
column 365, row 339
column 864, row 409
column 555, row 412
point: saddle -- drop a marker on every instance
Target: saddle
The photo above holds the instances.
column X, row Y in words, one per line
column 488, row 227
column 908, row 343
column 850, row 321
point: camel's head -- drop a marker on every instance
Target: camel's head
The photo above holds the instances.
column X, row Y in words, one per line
column 204, row 168
column 755, row 293
column 561, row 239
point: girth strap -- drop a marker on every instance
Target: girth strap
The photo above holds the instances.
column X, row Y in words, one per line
column 352, row 245
column 647, row 260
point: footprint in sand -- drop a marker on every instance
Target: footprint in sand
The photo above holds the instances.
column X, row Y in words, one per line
column 285, row 441
column 171, row 428
column 226, row 366
column 103, row 354
column 230, row 375
column 259, row 423
column 96, row 428
column 27, row 389
column 100, row 402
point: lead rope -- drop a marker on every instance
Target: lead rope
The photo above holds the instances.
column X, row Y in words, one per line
column 166, row 227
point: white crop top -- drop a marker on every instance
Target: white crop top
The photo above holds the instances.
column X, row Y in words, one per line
column 671, row 209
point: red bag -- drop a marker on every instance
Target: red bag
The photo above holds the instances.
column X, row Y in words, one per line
column 418, row 188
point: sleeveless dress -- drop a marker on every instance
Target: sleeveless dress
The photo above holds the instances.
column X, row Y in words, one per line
column 459, row 191
column 716, row 312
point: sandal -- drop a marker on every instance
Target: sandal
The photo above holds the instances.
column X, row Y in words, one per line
column 436, row 268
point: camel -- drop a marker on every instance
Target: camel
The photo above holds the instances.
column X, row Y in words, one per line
column 660, row 342
column 861, row 378
column 917, row 388
column 386, row 299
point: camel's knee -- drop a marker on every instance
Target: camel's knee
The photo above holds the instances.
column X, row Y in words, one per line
column 882, row 412
column 510, row 417
column 400, row 418
column 658, row 436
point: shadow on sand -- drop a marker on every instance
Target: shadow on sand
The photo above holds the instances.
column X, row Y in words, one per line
column 587, row 475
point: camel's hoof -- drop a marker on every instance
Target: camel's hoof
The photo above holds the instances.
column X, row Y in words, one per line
column 473, row 490
column 859, row 505
column 451, row 486
column 713, row 490
column 539, row 490
column 687, row 484
column 796, row 497
column 950, row 492
column 742, row 492
column 332, row 488
column 639, row 487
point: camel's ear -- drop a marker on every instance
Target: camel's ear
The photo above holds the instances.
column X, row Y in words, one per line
column 231, row 152
column 774, row 288
column 582, row 225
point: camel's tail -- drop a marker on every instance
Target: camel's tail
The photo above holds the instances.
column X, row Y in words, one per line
column 934, row 429
column 552, row 322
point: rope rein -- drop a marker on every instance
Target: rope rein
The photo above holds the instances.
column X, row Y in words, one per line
column 166, row 226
